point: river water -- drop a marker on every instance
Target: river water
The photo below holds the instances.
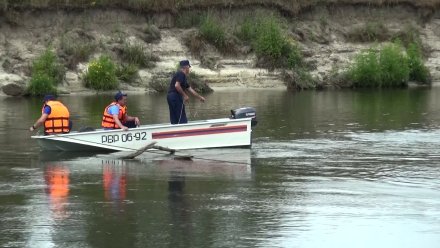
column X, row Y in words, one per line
column 327, row 169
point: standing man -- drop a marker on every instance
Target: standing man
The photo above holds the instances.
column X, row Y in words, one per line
column 55, row 117
column 115, row 115
column 177, row 94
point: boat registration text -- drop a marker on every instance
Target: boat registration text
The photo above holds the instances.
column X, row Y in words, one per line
column 125, row 137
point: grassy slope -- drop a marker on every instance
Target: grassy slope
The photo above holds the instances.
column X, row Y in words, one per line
column 290, row 6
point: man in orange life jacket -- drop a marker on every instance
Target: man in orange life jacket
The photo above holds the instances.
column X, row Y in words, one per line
column 55, row 117
column 115, row 115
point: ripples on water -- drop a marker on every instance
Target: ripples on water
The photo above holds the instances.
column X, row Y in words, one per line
column 355, row 189
column 358, row 189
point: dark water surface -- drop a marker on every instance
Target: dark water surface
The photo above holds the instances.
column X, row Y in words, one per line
column 327, row 169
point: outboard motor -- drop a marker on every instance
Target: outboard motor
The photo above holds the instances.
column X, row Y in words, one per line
column 245, row 112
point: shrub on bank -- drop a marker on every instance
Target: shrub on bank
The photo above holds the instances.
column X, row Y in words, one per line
column 299, row 79
column 213, row 32
column 418, row 71
column 135, row 54
column 101, row 74
column 273, row 48
column 127, row 73
column 47, row 72
column 269, row 40
column 365, row 72
column 40, row 85
column 391, row 66
column 48, row 64
column 394, row 66
column 247, row 30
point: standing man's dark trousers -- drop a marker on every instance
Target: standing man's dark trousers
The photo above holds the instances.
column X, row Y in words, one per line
column 177, row 108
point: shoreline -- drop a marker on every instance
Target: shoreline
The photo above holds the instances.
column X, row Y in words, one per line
column 411, row 86
column 321, row 35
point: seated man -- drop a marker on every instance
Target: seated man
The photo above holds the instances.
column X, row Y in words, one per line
column 115, row 115
column 54, row 116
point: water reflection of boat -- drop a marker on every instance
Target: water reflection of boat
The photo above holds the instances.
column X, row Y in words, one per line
column 235, row 163
column 114, row 180
column 57, row 182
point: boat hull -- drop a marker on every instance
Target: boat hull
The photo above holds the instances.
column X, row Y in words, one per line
column 194, row 135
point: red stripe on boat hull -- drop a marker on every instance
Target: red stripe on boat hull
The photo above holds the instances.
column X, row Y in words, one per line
column 199, row 132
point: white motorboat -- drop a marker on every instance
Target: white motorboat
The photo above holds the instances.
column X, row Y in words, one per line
column 225, row 132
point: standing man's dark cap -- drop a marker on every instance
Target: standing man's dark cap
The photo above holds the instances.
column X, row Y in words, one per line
column 184, row 63
column 48, row 98
column 119, row 96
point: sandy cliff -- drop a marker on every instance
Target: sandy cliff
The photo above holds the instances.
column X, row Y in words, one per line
column 319, row 29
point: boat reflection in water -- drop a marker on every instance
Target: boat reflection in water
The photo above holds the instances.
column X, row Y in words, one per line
column 114, row 181
column 227, row 162
column 57, row 182
column 121, row 201
column 117, row 178
column 230, row 163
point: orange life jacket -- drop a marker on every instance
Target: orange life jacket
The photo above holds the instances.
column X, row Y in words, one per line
column 107, row 119
column 58, row 119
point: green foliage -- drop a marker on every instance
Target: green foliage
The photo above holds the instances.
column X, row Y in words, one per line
column 135, row 54
column 274, row 50
column 418, row 71
column 47, row 64
column 41, row 84
column 294, row 58
column 213, row 32
column 101, row 74
column 270, row 41
column 366, row 70
column 247, row 31
column 389, row 67
column 46, row 73
column 127, row 72
column 394, row 69
column 272, row 47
